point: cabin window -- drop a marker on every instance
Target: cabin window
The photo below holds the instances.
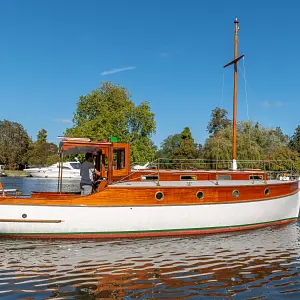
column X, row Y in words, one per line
column 75, row 165
column 159, row 196
column 256, row 177
column 200, row 195
column 150, row 177
column 267, row 191
column 119, row 159
column 188, row 177
column 223, row 177
column 235, row 193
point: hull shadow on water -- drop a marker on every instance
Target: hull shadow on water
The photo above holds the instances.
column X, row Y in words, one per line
column 259, row 264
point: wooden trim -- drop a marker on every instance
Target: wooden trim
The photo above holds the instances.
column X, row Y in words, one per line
column 168, row 175
column 102, row 185
column 30, row 221
column 126, row 170
column 3, row 191
column 110, row 165
column 103, row 172
column 145, row 196
column 64, row 203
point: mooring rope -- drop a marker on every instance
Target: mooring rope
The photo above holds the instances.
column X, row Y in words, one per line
column 246, row 92
column 247, row 106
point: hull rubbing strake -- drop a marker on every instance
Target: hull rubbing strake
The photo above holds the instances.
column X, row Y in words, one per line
column 29, row 221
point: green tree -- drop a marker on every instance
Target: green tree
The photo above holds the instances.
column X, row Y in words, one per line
column 187, row 148
column 41, row 152
column 254, row 142
column 218, row 148
column 14, row 142
column 168, row 146
column 284, row 138
column 282, row 159
column 294, row 143
column 166, row 152
column 177, row 149
column 42, row 136
column 218, row 121
column 109, row 111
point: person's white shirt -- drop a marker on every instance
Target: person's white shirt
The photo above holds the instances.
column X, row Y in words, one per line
column 86, row 173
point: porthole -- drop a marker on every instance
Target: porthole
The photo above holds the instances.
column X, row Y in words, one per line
column 267, row 192
column 200, row 195
column 235, row 193
column 159, row 196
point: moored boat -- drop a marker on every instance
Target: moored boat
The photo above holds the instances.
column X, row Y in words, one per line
column 71, row 170
column 126, row 206
column 2, row 172
column 147, row 208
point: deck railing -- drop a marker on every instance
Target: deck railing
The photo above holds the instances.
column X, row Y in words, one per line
column 274, row 168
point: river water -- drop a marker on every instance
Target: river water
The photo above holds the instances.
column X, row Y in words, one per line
column 258, row 264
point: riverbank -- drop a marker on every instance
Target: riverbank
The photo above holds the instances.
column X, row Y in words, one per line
column 16, row 173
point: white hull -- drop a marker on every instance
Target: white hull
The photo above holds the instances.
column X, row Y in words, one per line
column 52, row 172
column 143, row 219
column 47, row 174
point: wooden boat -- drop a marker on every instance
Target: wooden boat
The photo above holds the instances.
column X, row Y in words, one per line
column 141, row 208
column 195, row 174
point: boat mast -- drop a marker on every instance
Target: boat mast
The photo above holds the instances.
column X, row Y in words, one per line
column 236, row 28
column 234, row 62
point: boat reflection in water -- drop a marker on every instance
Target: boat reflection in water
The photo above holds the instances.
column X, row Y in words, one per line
column 262, row 263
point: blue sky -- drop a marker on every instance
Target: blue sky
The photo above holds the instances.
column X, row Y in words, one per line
column 170, row 53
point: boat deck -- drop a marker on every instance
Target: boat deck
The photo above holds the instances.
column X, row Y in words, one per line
column 226, row 171
column 195, row 183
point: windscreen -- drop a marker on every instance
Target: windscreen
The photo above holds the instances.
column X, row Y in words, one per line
column 75, row 165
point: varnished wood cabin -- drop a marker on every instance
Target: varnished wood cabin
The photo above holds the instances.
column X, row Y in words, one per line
column 113, row 161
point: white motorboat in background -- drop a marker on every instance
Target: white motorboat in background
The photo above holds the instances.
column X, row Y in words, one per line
column 71, row 169
column 2, row 171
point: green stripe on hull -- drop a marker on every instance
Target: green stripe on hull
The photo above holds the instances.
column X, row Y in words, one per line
column 149, row 231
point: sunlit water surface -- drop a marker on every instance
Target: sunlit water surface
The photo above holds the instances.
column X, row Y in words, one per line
column 259, row 264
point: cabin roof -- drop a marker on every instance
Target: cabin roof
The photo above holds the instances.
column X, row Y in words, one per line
column 197, row 183
column 84, row 145
column 198, row 171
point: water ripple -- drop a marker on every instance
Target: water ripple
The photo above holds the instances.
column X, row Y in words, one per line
column 262, row 264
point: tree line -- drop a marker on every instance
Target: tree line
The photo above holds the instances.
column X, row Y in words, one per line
column 109, row 111
column 17, row 149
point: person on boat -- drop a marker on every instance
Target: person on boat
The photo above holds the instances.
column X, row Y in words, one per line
column 87, row 170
